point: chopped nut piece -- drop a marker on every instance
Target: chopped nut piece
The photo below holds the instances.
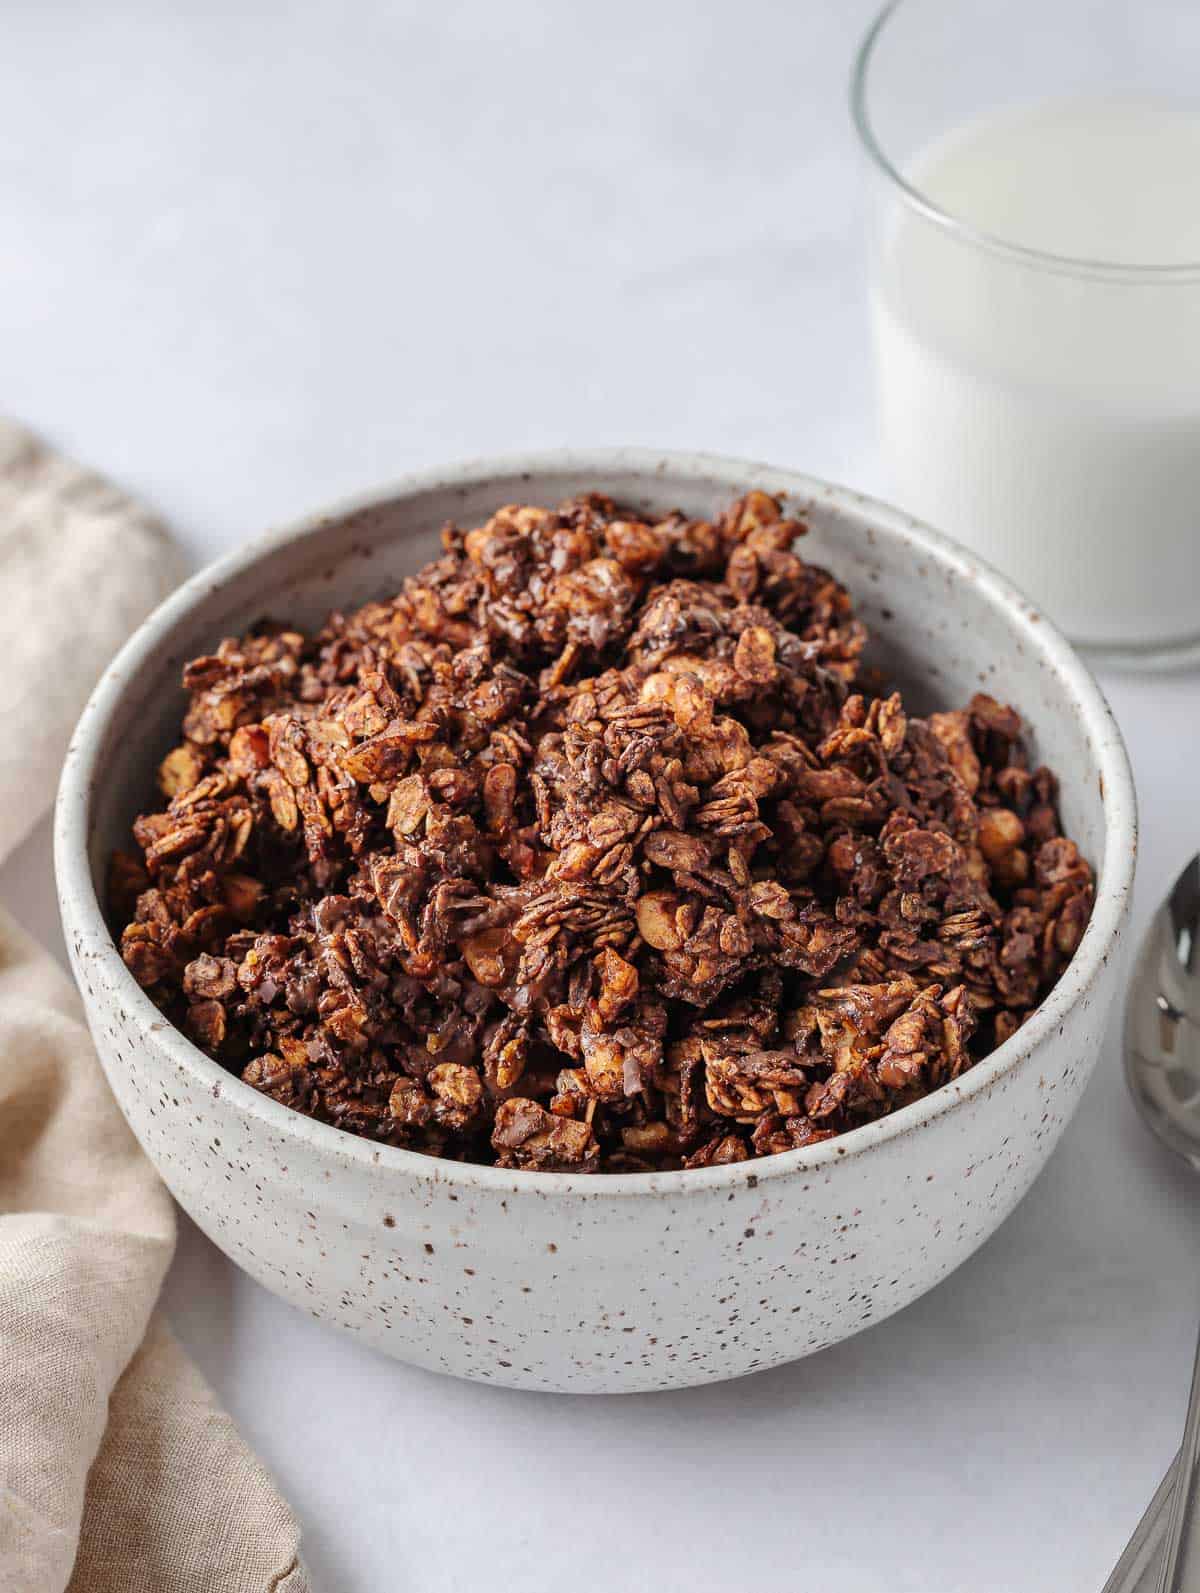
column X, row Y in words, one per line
column 526, row 1135
column 1000, row 832
column 657, row 921
column 484, row 955
column 458, row 1093
column 180, row 771
column 208, row 977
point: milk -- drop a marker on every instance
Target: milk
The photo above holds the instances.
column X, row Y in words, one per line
column 1050, row 418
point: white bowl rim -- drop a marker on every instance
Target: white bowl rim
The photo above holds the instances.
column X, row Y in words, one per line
column 85, row 927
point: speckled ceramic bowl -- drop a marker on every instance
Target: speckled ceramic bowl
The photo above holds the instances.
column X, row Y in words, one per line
column 632, row 1282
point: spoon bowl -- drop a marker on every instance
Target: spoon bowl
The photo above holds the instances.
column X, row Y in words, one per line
column 1162, row 1021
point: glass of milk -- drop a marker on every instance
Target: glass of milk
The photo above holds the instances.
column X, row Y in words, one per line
column 1036, row 298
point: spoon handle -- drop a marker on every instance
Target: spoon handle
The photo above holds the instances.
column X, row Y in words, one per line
column 1138, row 1569
column 1181, row 1562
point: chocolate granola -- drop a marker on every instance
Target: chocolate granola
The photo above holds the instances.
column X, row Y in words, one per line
column 590, row 851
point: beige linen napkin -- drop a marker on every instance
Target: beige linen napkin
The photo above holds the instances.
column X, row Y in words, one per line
column 118, row 1471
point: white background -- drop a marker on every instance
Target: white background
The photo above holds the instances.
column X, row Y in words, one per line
column 253, row 257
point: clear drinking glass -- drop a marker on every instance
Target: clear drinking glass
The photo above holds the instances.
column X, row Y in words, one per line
column 1035, row 268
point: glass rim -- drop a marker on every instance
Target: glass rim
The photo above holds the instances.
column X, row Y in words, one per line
column 1039, row 259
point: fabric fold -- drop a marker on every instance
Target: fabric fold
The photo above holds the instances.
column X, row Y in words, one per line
column 119, row 1472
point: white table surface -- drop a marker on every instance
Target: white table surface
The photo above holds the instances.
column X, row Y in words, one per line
column 256, row 256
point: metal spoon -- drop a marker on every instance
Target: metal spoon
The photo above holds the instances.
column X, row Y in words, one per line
column 1162, row 1067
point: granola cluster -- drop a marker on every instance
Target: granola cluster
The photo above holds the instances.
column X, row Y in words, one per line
column 589, row 851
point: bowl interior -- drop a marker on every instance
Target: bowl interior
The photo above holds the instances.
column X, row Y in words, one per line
column 942, row 627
